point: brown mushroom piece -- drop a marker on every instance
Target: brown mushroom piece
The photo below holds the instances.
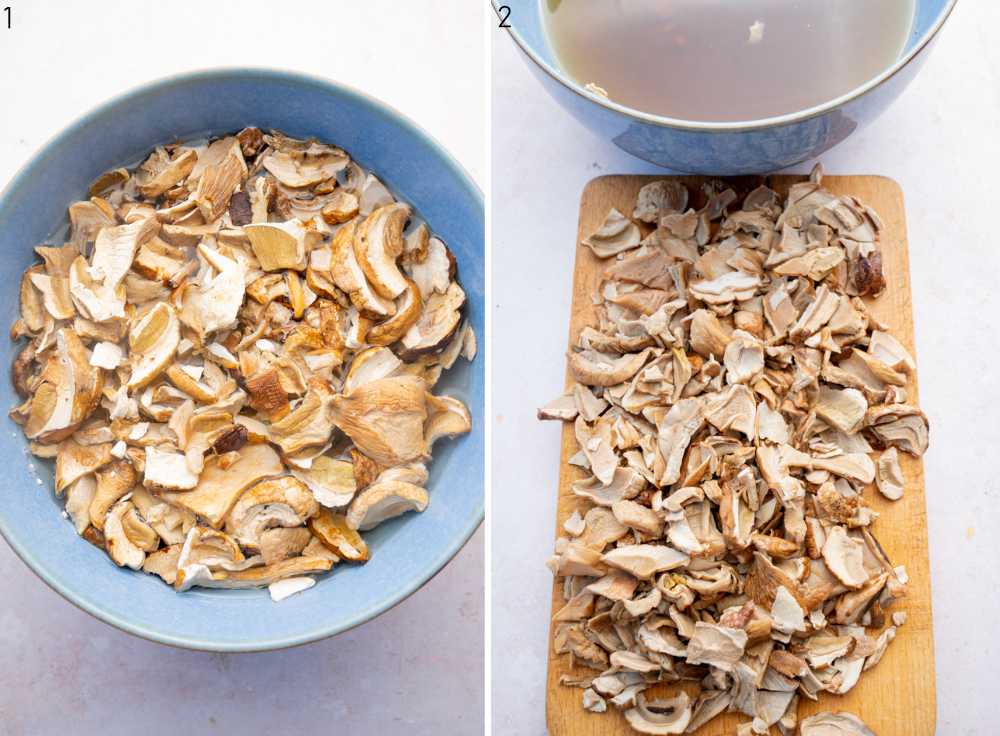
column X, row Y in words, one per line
column 436, row 325
column 254, row 577
column 593, row 368
column 384, row 500
column 122, row 550
column 331, row 481
column 67, row 390
column 385, row 418
column 113, row 482
column 333, row 531
column 408, row 309
column 378, row 243
column 281, row 502
column 348, row 275
column 446, row 417
column 220, row 484
column 659, row 198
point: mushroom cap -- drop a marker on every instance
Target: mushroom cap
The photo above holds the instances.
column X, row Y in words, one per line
column 385, row 500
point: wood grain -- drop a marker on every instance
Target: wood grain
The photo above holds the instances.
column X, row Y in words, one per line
column 895, row 698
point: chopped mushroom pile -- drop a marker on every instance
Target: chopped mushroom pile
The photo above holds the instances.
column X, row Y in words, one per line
column 731, row 404
column 231, row 361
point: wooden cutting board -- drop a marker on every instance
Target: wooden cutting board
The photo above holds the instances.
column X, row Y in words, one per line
column 896, row 697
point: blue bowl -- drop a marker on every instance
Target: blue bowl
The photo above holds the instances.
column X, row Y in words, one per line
column 407, row 551
column 751, row 147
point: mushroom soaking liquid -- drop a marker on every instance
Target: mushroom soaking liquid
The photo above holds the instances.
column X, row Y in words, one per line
column 726, row 60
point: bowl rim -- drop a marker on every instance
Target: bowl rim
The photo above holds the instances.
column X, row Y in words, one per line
column 457, row 169
column 734, row 126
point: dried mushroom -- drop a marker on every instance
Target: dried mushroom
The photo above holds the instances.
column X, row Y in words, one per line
column 728, row 402
column 232, row 357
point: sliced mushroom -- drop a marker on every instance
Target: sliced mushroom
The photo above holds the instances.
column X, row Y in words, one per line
column 331, row 481
column 67, row 390
column 220, row 484
column 384, row 500
column 281, row 502
column 889, row 475
column 844, row 557
column 74, row 461
column 333, row 531
column 113, row 482
column 834, row 724
column 594, row 368
column 408, row 310
column 660, row 716
column 616, row 234
column 385, row 418
column 436, row 325
column 435, row 272
column 279, row 246
column 121, row 549
column 378, row 243
column 153, row 343
column 446, row 417
column 254, row 577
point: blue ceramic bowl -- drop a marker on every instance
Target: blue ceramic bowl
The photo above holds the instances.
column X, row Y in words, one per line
column 406, row 551
column 751, row 147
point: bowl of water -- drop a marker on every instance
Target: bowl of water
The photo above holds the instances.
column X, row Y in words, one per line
column 724, row 87
column 405, row 552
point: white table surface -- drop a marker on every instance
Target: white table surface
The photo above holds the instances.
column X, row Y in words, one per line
column 415, row 670
column 941, row 142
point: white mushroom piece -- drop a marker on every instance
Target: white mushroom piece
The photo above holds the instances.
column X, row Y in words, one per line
column 834, row 724
column 729, row 400
column 616, row 235
column 232, row 361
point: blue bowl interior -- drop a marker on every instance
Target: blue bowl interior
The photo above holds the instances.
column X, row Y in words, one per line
column 406, row 551
column 527, row 21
